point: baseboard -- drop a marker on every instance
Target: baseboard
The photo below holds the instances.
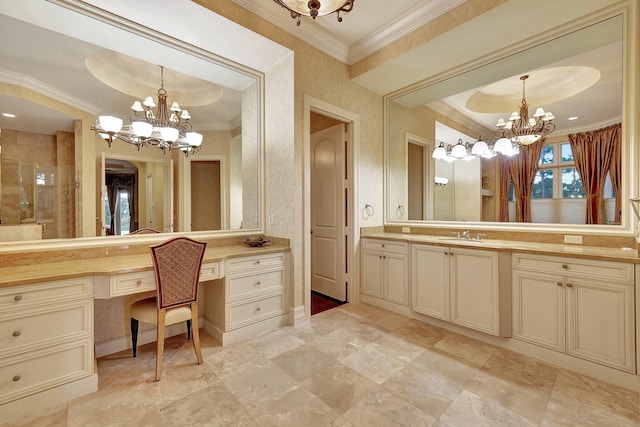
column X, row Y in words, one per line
column 299, row 315
column 119, row 344
column 22, row 409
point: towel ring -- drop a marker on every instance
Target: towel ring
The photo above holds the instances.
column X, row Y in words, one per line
column 368, row 211
column 400, row 211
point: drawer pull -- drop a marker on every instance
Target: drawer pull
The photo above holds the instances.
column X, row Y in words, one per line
column 383, row 245
column 16, row 378
column 18, row 298
column 16, row 334
column 257, row 261
column 559, row 283
column 257, row 309
column 138, row 282
column 569, row 285
column 257, row 283
column 565, row 266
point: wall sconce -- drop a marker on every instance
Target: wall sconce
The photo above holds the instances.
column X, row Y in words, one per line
column 441, row 181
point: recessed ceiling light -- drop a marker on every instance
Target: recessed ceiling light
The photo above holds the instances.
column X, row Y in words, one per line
column 573, row 118
column 11, row 116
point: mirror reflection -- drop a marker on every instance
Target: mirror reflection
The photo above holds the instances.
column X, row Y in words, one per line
column 533, row 137
column 54, row 89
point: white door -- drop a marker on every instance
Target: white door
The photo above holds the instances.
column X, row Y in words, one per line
column 328, row 212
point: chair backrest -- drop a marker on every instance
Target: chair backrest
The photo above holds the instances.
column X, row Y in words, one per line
column 144, row 231
column 177, row 265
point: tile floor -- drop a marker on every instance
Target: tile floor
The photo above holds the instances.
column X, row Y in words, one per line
column 349, row 366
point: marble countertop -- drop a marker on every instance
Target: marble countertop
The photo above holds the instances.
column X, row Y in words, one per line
column 114, row 265
column 580, row 251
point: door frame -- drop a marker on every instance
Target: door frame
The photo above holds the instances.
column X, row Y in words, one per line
column 428, row 176
column 224, row 192
column 353, row 228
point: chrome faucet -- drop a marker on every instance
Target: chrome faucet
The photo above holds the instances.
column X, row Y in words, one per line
column 466, row 234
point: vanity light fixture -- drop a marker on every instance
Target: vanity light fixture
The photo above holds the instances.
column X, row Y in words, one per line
column 315, row 8
column 525, row 130
column 459, row 151
column 166, row 128
column 441, row 181
column 440, row 152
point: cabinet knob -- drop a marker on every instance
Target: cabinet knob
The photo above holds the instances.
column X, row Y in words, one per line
column 16, row 334
column 257, row 283
column 384, row 257
column 446, row 253
column 257, row 261
column 138, row 282
column 18, row 298
column 565, row 266
column 559, row 283
column 383, row 245
column 257, row 309
column 569, row 285
column 16, row 378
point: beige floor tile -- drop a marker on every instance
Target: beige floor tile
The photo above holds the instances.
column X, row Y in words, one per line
column 469, row 409
column 339, row 386
column 458, row 372
column 256, row 385
column 398, row 348
column 465, row 348
column 212, row 406
column 359, row 311
column 234, row 359
column 275, row 343
column 617, row 401
column 426, row 390
column 382, row 408
column 386, row 321
column 420, row 333
column 304, row 361
column 54, row 417
column 563, row 410
column 374, row 364
column 298, row 407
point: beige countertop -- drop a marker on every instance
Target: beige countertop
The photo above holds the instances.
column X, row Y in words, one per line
column 593, row 252
column 113, row 265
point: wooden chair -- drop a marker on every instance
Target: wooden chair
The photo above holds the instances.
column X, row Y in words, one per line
column 145, row 231
column 176, row 263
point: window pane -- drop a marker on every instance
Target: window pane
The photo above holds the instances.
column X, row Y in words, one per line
column 543, row 184
column 567, row 153
column 546, row 156
column 571, row 184
column 125, row 215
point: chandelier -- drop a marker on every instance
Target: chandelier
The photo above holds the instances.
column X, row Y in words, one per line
column 315, row 8
column 522, row 129
column 166, row 128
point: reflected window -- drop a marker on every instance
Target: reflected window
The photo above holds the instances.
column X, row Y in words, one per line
column 557, row 176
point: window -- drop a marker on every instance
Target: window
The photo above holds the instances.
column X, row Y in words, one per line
column 557, row 176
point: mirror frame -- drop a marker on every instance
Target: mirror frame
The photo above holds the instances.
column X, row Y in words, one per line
column 159, row 30
column 630, row 161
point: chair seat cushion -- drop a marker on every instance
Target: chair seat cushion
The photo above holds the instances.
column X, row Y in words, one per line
column 146, row 310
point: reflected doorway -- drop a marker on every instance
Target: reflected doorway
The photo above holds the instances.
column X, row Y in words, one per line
column 121, row 196
column 206, row 200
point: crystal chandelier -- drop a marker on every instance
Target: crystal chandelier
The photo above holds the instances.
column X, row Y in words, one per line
column 167, row 128
column 315, row 8
column 522, row 129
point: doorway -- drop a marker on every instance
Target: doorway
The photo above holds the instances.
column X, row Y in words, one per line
column 206, row 200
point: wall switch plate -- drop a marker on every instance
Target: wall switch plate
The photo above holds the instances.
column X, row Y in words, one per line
column 406, row 230
column 573, row 239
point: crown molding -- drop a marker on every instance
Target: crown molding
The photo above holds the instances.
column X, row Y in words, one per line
column 327, row 42
column 30, row 83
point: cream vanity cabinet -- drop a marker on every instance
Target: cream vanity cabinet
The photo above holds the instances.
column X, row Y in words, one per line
column 582, row 307
column 462, row 286
column 385, row 270
column 251, row 299
column 46, row 343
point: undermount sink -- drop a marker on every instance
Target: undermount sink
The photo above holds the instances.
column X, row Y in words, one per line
column 453, row 239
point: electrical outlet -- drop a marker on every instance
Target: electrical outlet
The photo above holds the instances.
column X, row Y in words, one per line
column 406, row 230
column 573, row 239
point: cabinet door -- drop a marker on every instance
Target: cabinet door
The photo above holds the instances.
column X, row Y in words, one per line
column 600, row 324
column 539, row 309
column 371, row 281
column 396, row 285
column 474, row 289
column 430, row 280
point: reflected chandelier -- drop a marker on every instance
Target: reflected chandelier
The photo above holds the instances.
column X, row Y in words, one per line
column 315, row 8
column 520, row 128
column 165, row 128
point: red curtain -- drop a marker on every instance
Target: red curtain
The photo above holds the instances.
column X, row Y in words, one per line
column 505, row 186
column 523, row 168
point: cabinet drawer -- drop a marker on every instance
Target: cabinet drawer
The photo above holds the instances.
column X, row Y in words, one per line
column 254, row 311
column 251, row 263
column 29, row 373
column 132, row 283
column 595, row 269
column 36, row 327
column 47, row 292
column 254, row 284
column 385, row 246
column 210, row 271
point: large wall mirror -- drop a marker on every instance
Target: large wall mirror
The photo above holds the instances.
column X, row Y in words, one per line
column 577, row 76
column 53, row 87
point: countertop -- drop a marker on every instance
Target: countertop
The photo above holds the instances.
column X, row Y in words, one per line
column 114, row 265
column 579, row 251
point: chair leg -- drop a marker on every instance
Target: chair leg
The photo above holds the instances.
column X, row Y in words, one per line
column 160, row 348
column 134, row 336
column 196, row 333
column 188, row 329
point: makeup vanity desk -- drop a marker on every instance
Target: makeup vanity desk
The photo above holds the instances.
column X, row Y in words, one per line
column 47, row 311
